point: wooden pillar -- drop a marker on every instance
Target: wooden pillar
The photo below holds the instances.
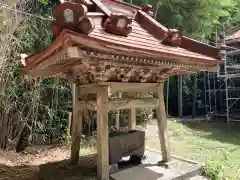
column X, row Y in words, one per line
column 102, row 133
column 132, row 119
column 194, row 95
column 167, row 98
column 117, row 120
column 132, row 114
column 180, row 102
column 77, row 125
column 162, row 123
column 69, row 123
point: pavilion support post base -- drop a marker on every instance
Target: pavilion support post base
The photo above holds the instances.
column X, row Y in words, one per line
column 163, row 164
column 102, row 133
column 162, row 123
column 77, row 126
column 113, row 168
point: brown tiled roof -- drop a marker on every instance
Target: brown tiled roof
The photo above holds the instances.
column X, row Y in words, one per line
column 140, row 38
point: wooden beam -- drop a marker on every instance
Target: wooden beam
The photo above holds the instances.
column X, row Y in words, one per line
column 117, row 119
column 102, row 134
column 132, row 103
column 162, row 123
column 77, row 126
column 132, row 87
column 89, row 88
column 118, row 104
column 120, row 87
column 132, row 114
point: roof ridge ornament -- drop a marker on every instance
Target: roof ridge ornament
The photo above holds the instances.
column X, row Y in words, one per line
column 118, row 24
column 173, row 38
column 72, row 16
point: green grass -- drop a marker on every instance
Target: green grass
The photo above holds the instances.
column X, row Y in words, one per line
column 217, row 145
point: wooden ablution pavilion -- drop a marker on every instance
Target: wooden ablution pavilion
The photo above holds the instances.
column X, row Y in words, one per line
column 112, row 46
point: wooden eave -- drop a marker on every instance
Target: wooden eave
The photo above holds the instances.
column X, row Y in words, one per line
column 71, row 51
column 107, row 46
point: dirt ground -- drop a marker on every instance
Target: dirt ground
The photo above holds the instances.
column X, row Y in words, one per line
column 43, row 163
column 50, row 162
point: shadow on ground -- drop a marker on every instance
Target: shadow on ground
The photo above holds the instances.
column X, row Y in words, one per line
column 18, row 172
column 59, row 170
column 220, row 131
column 51, row 171
column 62, row 170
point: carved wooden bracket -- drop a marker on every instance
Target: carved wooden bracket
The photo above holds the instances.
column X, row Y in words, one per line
column 145, row 75
column 173, row 38
column 118, row 24
column 71, row 16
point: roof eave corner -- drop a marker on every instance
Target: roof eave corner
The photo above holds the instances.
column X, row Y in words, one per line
column 200, row 47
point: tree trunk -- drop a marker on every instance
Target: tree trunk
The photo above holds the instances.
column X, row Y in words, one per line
column 194, row 95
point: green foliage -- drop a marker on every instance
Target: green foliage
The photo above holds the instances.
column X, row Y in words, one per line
column 212, row 143
column 144, row 115
column 43, row 1
column 213, row 169
column 196, row 18
column 43, row 104
column 235, row 15
column 215, row 166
